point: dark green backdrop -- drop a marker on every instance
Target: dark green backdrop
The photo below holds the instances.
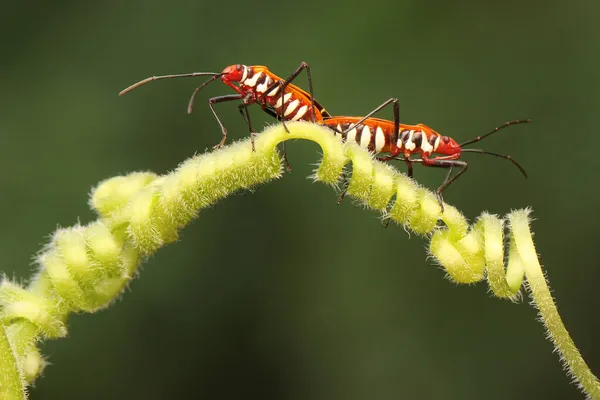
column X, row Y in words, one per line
column 281, row 293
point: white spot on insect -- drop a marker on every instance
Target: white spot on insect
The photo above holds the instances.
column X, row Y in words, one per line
column 339, row 129
column 365, row 137
column 264, row 86
column 286, row 98
column 245, row 74
column 301, row 111
column 274, row 91
column 379, row 139
column 351, row 135
column 409, row 145
column 252, row 81
column 436, row 143
column 425, row 146
column 291, row 107
column 400, row 142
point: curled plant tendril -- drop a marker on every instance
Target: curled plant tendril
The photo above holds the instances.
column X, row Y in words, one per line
column 84, row 268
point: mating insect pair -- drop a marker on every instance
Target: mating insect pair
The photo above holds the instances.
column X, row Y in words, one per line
column 287, row 102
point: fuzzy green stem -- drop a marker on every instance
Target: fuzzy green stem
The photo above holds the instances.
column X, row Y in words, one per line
column 542, row 300
column 84, row 268
column 11, row 384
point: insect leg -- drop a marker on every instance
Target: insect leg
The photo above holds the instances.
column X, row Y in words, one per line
column 303, row 65
column 241, row 110
column 394, row 138
column 450, row 164
column 273, row 114
column 288, row 166
column 294, row 75
column 410, row 168
column 393, row 101
column 408, row 162
column 221, row 99
column 244, row 109
column 345, row 185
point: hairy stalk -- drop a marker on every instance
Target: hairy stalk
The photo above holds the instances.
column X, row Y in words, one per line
column 542, row 300
column 84, row 268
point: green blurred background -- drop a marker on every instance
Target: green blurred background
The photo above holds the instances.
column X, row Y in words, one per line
column 280, row 293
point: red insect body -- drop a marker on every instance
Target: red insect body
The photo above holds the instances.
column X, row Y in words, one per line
column 256, row 84
column 378, row 135
column 259, row 85
column 402, row 141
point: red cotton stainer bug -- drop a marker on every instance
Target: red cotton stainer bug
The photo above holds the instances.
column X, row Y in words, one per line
column 256, row 84
column 394, row 138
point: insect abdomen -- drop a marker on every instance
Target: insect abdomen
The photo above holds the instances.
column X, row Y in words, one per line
column 417, row 141
column 376, row 135
column 371, row 136
column 293, row 107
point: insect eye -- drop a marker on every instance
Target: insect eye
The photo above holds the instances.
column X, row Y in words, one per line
column 445, row 139
column 238, row 67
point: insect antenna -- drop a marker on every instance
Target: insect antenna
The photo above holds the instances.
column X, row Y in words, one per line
column 155, row 78
column 191, row 102
column 509, row 158
column 478, row 138
column 480, row 151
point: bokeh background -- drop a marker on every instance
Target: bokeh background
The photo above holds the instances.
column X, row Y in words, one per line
column 280, row 293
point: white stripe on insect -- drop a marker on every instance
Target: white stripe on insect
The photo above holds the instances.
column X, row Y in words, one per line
column 286, row 98
column 437, row 142
column 274, row 91
column 252, row 81
column 403, row 134
column 291, row 107
column 379, row 139
column 301, row 111
column 245, row 74
column 425, row 146
column 264, row 86
column 409, row 145
column 351, row 135
column 365, row 137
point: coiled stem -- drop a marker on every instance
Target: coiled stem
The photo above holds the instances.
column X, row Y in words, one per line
column 84, row 268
